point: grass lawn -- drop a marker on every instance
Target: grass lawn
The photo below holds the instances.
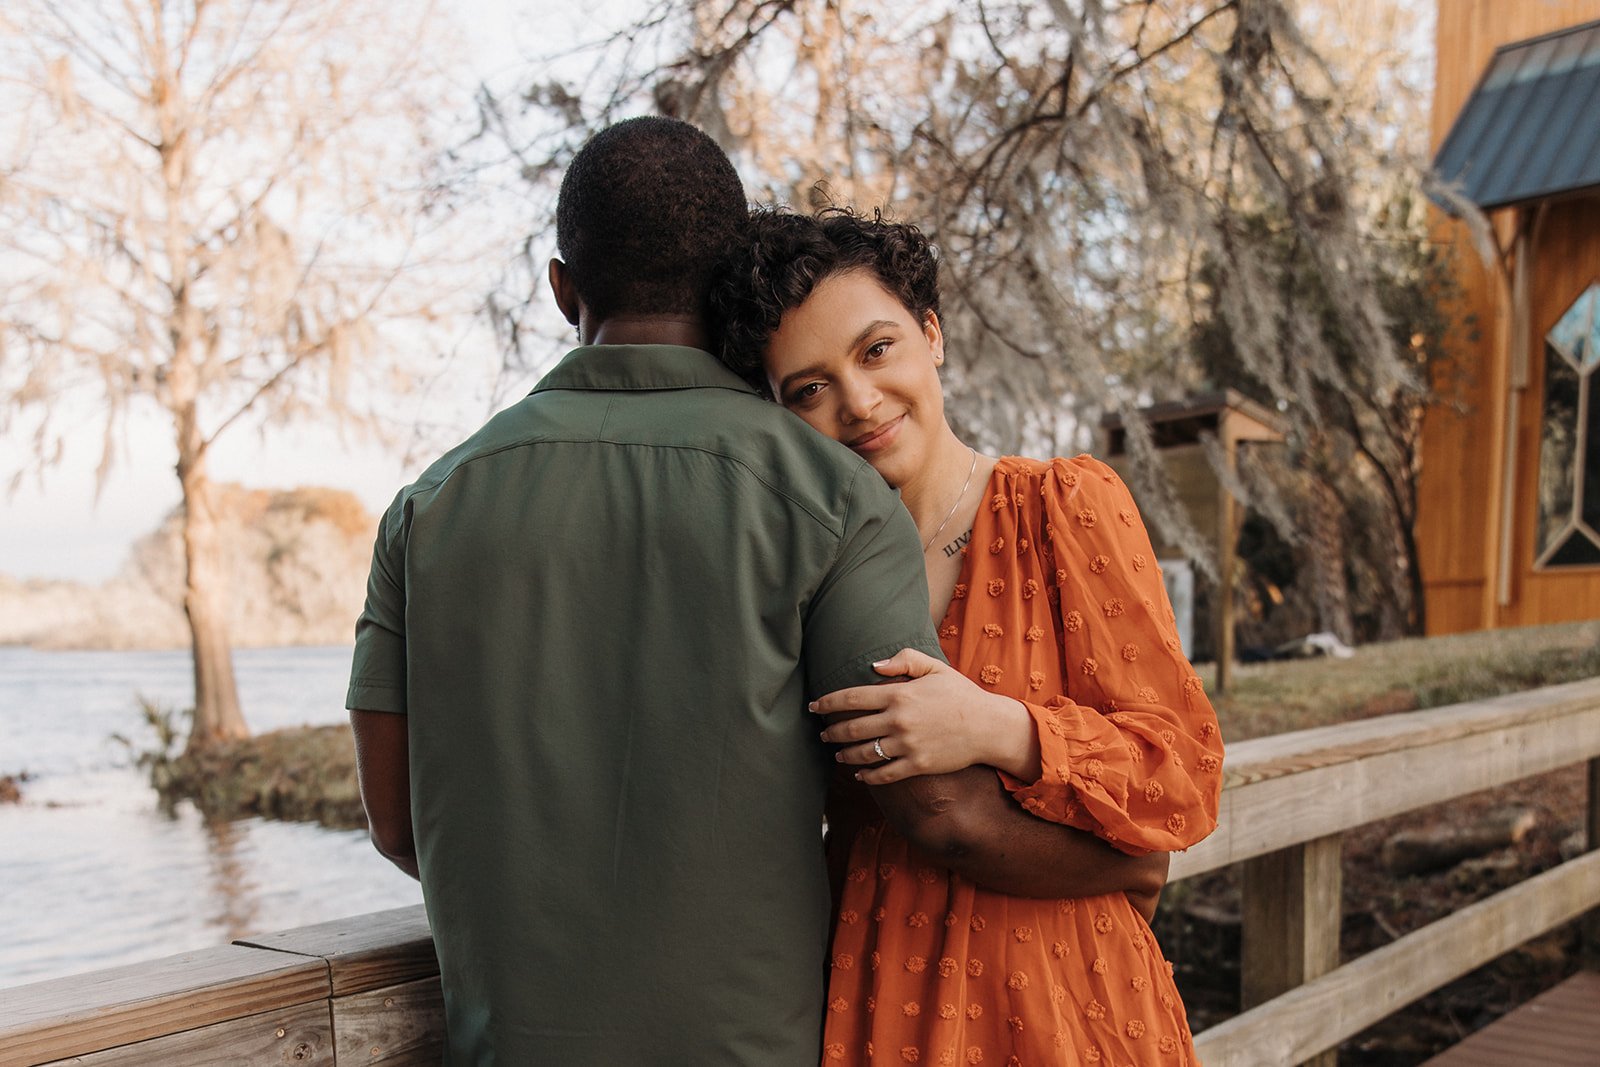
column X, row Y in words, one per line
column 1271, row 698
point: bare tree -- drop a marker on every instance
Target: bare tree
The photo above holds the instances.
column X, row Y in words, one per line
column 1106, row 180
column 218, row 208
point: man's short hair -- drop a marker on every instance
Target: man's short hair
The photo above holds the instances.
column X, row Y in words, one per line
column 647, row 208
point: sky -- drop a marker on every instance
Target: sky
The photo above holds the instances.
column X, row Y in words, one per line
column 56, row 526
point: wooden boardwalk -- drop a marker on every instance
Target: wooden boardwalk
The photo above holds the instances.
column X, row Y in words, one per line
column 365, row 990
column 1558, row 1028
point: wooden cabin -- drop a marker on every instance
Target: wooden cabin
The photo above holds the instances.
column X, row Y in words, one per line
column 1508, row 522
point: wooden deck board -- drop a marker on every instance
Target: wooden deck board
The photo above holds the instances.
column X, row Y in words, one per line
column 1558, row 1028
column 363, row 951
column 401, row 1026
column 301, row 1036
column 65, row 1017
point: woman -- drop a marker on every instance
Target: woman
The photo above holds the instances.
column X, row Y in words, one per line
column 1066, row 675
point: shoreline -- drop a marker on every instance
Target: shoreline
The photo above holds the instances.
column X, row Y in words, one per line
column 183, row 647
column 296, row 774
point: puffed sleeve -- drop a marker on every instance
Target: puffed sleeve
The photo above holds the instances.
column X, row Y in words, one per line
column 1131, row 751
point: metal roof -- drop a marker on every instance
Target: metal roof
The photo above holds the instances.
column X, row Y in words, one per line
column 1531, row 128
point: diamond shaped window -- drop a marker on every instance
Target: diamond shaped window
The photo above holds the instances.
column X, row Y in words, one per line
column 1577, row 335
column 1569, row 445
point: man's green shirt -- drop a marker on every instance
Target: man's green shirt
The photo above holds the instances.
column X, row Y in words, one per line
column 603, row 614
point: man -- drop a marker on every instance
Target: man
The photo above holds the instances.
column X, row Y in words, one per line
column 580, row 679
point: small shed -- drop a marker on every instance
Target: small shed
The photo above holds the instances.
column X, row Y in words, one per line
column 1179, row 429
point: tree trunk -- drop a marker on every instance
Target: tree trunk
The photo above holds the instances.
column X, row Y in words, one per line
column 1325, row 555
column 1397, row 613
column 217, row 717
column 1417, row 619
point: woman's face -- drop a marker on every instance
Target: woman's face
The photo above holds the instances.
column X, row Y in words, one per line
column 859, row 367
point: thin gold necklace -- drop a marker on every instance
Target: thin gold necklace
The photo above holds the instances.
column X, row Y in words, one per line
column 959, row 497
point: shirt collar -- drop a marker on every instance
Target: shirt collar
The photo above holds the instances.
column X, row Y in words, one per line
column 641, row 368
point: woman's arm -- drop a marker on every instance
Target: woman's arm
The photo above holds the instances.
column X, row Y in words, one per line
column 942, row 723
column 937, row 720
column 1131, row 752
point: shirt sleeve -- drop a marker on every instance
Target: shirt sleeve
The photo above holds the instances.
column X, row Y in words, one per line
column 1131, row 751
column 874, row 600
column 378, row 667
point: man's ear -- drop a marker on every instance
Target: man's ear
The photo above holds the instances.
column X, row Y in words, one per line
column 565, row 291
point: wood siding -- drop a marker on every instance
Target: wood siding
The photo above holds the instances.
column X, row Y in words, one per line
column 1464, row 444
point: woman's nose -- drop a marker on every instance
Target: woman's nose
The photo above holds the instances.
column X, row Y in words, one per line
column 861, row 399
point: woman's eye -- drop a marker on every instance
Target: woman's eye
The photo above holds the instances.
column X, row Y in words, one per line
column 878, row 349
column 807, row 391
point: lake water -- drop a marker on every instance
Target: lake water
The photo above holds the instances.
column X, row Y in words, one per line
column 93, row 874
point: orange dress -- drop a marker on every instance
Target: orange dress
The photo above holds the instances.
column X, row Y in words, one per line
column 1060, row 604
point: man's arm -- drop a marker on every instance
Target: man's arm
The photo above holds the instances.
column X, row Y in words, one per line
column 383, row 769
column 966, row 821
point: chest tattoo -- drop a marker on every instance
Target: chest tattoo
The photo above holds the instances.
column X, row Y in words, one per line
column 957, row 545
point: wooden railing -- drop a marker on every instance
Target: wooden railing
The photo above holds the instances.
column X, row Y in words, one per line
column 1287, row 799
column 365, row 990
column 362, row 990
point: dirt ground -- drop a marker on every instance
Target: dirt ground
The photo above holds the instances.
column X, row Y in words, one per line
column 1198, row 925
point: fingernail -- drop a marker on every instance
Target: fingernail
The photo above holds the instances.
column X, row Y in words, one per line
column 880, row 663
column 838, row 757
column 858, row 776
column 811, row 706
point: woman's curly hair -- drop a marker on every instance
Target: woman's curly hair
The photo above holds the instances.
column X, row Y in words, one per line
column 786, row 255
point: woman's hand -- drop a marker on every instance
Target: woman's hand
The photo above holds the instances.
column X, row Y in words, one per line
column 936, row 720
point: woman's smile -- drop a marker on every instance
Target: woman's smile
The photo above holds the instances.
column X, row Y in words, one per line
column 878, row 439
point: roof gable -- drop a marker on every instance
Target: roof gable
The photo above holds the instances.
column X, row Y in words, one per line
column 1531, row 129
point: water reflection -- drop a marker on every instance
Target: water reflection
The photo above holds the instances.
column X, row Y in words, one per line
column 93, row 874
column 231, row 886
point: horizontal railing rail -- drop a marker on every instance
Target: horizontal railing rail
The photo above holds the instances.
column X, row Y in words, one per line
column 362, row 990
column 366, row 989
column 1286, row 801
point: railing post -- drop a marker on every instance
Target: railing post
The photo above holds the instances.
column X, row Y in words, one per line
column 1291, row 914
column 1589, row 928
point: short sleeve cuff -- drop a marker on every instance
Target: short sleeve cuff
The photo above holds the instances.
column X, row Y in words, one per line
column 858, row 671
column 377, row 669
column 370, row 696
